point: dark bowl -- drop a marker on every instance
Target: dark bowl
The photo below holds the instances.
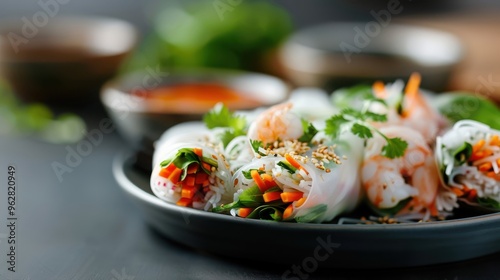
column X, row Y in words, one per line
column 142, row 121
column 342, row 54
column 65, row 61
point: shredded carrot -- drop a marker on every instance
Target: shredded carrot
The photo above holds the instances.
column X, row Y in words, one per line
column 271, row 196
column 175, row 175
column 413, row 84
column 198, row 152
column 291, row 196
column 244, row 212
column 288, row 212
column 485, row 166
column 458, row 192
column 258, row 180
column 188, row 191
column 294, row 163
column 165, row 172
column 268, row 181
column 478, row 146
column 481, row 154
column 379, row 89
column 189, row 180
column 493, row 175
column 193, row 168
column 206, row 166
column 300, row 202
column 184, row 202
column 495, row 140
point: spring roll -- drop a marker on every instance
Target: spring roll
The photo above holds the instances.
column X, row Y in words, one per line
column 311, row 186
column 192, row 175
column 408, row 186
column 468, row 157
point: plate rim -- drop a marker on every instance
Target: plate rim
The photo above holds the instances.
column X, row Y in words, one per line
column 123, row 159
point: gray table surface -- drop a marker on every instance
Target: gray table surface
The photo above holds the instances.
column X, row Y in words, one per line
column 85, row 228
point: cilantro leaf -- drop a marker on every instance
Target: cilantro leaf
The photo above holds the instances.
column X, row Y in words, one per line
column 256, row 144
column 376, row 117
column 333, row 125
column 361, row 131
column 394, row 148
column 220, row 116
column 309, row 131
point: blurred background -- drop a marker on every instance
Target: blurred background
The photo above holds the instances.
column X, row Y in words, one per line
column 49, row 88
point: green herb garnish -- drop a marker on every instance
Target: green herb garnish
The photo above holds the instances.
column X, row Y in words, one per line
column 221, row 117
column 309, row 131
column 185, row 157
column 358, row 123
column 463, row 153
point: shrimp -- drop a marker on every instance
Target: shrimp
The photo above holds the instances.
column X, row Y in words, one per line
column 413, row 176
column 415, row 111
column 277, row 123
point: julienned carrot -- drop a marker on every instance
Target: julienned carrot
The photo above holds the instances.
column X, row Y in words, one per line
column 294, row 163
column 258, row 180
column 495, row 140
column 244, row 212
column 165, row 172
column 190, row 180
column 478, row 146
column 291, row 196
column 300, row 202
column 288, row 212
column 206, row 166
column 198, row 152
column 271, row 196
column 379, row 89
column 413, row 84
column 481, row 154
column 269, row 181
column 458, row 191
column 184, row 201
column 485, row 166
column 188, row 191
column 175, row 175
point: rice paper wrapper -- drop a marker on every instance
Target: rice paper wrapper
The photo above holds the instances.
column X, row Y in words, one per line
column 335, row 192
column 220, row 189
column 328, row 194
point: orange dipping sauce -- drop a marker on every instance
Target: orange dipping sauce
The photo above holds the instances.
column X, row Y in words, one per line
column 197, row 98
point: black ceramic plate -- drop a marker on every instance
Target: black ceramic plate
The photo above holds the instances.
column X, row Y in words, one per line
column 329, row 245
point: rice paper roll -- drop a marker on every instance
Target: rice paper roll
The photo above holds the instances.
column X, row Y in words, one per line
column 192, row 175
column 406, row 187
column 468, row 157
column 310, row 188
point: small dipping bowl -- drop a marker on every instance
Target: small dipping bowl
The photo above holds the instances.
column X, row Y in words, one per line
column 343, row 54
column 67, row 60
column 144, row 104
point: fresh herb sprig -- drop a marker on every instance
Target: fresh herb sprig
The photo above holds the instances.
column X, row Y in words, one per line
column 221, row 117
column 358, row 122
